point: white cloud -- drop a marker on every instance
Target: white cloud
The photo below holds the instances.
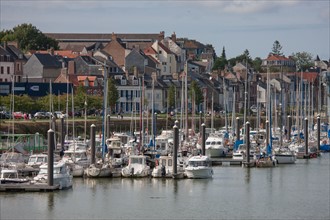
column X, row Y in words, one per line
column 248, row 6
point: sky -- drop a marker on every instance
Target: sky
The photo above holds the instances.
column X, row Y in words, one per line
column 236, row 25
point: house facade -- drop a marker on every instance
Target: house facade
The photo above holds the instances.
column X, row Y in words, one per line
column 42, row 68
column 11, row 63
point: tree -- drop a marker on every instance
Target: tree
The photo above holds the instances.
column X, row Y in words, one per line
column 113, row 94
column 221, row 62
column 277, row 48
column 80, row 97
column 198, row 94
column 304, row 60
column 256, row 63
column 171, row 98
column 28, row 38
column 243, row 58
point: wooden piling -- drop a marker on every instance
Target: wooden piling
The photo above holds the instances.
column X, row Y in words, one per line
column 92, row 136
column 203, row 139
column 247, row 127
column 51, row 145
column 175, row 150
column 306, row 138
column 318, row 134
column 237, row 129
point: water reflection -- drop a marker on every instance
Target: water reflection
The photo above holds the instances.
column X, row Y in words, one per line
column 247, row 175
column 50, row 201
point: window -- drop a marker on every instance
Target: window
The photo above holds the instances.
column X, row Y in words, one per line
column 2, row 70
column 8, row 70
column 17, row 67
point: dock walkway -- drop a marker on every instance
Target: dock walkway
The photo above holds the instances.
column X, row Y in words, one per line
column 27, row 187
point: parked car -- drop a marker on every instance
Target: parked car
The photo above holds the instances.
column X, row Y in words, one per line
column 18, row 115
column 59, row 114
column 4, row 115
column 40, row 115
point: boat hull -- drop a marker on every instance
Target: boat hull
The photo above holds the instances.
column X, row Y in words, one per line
column 285, row 159
column 199, row 172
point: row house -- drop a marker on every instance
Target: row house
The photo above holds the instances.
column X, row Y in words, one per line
column 43, row 67
column 137, row 61
column 167, row 59
column 278, row 63
column 11, row 63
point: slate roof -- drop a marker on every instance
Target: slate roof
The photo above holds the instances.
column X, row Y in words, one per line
column 100, row 37
column 48, row 60
column 17, row 53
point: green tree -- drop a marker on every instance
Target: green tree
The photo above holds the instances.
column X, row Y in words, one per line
column 198, row 94
column 80, row 97
column 221, row 62
column 277, row 48
column 256, row 63
column 243, row 58
column 304, row 60
column 28, row 38
column 113, row 94
column 171, row 98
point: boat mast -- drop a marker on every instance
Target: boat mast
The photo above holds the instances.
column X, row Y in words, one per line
column 105, row 94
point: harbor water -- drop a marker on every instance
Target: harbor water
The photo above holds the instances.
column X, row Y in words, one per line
column 296, row 191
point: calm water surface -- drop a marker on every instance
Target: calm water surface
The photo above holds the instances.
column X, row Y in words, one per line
column 299, row 191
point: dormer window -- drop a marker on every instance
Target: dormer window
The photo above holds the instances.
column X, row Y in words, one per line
column 86, row 82
column 135, row 82
column 123, row 82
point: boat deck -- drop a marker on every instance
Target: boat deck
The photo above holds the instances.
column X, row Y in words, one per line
column 28, row 187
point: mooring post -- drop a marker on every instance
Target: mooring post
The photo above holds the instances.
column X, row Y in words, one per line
column 306, row 138
column 318, row 133
column 175, row 150
column 200, row 122
column 62, row 133
column 290, row 125
column 237, row 129
column 247, row 128
column 50, row 168
column 108, row 126
column 92, row 137
column 203, row 139
column 267, row 133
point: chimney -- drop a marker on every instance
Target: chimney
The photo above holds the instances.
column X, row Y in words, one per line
column 113, row 37
column 173, row 37
column 161, row 36
column 71, row 67
column 5, row 45
column 51, row 51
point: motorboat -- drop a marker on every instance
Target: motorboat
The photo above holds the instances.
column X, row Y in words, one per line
column 115, row 155
column 11, row 176
column 164, row 168
column 137, row 167
column 199, row 167
column 98, row 170
column 240, row 153
column 214, row 146
column 61, row 175
column 164, row 142
column 284, row 156
column 12, row 160
column 36, row 160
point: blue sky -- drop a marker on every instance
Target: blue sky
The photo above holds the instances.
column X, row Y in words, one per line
column 299, row 25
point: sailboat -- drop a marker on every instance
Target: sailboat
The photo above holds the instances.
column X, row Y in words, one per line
column 101, row 168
